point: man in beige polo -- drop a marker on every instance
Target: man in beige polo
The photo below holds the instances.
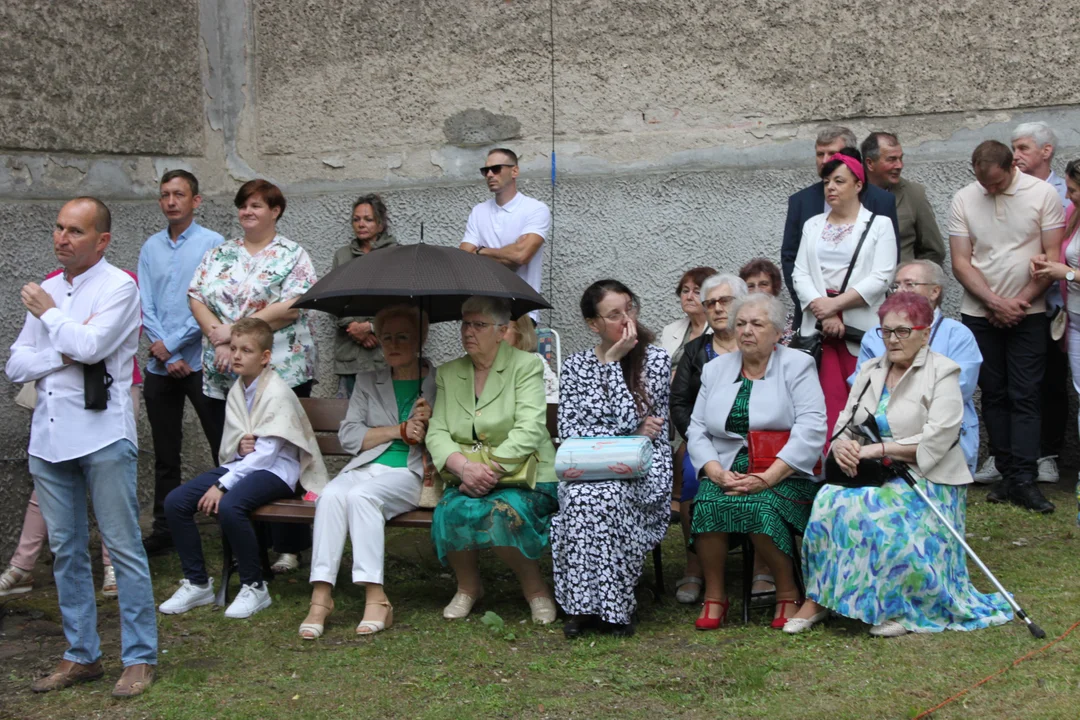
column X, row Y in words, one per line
column 997, row 224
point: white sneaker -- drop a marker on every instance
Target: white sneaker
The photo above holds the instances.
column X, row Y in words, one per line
column 988, row 473
column 285, row 563
column 889, row 628
column 252, row 599
column 108, row 582
column 1048, row 470
column 14, row 581
column 189, row 596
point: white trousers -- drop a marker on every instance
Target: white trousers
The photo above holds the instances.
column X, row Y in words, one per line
column 359, row 502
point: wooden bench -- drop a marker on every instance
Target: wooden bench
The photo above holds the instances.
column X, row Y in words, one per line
column 326, row 416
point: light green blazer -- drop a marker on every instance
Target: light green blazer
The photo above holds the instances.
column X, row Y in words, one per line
column 510, row 415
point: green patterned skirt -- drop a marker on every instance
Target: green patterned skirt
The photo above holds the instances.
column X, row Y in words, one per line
column 505, row 517
column 775, row 512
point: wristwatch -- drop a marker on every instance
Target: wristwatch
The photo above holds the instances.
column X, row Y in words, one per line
column 1070, row 276
column 222, row 488
column 479, row 248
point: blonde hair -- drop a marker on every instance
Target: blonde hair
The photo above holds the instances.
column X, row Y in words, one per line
column 256, row 328
column 525, row 334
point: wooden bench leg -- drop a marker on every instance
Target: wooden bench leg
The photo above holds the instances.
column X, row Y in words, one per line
column 221, row 598
column 747, row 577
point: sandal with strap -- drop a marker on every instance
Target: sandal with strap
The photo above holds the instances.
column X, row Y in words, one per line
column 314, row 631
column 708, row 623
column 370, row 627
column 686, row 597
column 779, row 621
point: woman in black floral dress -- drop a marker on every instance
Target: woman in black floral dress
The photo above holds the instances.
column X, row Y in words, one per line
column 604, row 529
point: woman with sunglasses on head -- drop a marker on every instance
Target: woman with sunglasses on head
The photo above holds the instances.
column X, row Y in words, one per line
column 604, row 529
column 845, row 264
column 356, row 346
column 876, row 553
column 717, row 293
column 492, row 398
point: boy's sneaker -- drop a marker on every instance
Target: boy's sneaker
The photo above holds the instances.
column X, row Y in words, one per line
column 1048, row 470
column 189, row 596
column 108, row 582
column 988, row 473
column 285, row 563
column 16, row 582
column 252, row 599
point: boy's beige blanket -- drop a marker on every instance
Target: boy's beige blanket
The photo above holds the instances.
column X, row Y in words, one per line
column 276, row 412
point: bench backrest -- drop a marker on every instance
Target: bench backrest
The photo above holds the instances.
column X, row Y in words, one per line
column 326, row 414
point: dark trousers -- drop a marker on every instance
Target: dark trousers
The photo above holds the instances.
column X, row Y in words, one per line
column 164, row 398
column 1014, row 360
column 292, row 538
column 1055, row 398
column 234, row 509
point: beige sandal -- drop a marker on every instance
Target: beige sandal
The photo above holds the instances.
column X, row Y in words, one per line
column 370, row 627
column 314, row 631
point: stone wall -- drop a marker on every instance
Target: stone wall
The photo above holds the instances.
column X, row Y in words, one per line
column 680, row 129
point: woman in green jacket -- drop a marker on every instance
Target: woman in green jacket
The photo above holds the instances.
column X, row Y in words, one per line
column 493, row 396
column 356, row 349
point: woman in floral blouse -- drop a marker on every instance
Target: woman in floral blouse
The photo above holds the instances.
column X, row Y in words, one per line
column 259, row 275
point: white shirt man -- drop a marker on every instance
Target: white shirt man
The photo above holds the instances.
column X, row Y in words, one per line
column 510, row 227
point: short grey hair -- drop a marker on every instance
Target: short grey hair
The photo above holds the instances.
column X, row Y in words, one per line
column 831, row 133
column 773, row 306
column 932, row 270
column 736, row 283
column 498, row 309
column 406, row 312
column 1038, row 131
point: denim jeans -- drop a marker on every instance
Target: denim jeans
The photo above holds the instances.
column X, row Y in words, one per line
column 234, row 509
column 110, row 476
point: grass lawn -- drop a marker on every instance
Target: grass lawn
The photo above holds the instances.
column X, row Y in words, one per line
column 426, row 667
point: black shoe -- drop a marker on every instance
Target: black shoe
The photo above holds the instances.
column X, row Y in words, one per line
column 1030, row 498
column 576, row 625
column 998, row 493
column 157, row 542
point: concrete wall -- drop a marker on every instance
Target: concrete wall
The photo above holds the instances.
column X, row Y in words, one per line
column 680, row 129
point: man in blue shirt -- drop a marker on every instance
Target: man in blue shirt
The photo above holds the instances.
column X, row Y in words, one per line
column 166, row 264
column 947, row 337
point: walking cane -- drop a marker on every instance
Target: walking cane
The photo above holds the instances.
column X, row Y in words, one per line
column 902, row 470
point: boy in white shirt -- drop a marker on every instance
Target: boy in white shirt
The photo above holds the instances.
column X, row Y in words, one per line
column 267, row 449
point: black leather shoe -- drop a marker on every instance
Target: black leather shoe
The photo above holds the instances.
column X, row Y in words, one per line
column 576, row 625
column 157, row 542
column 1030, row 498
column 619, row 629
column 998, row 493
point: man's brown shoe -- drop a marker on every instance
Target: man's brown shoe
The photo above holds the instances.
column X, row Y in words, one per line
column 68, row 673
column 134, row 681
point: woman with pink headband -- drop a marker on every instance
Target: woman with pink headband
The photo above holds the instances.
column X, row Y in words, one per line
column 846, row 262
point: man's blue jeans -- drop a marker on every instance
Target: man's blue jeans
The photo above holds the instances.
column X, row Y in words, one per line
column 110, row 475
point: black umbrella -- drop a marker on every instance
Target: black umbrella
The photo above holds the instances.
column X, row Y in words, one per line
column 434, row 277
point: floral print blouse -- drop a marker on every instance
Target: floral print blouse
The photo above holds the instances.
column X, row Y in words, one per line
column 235, row 285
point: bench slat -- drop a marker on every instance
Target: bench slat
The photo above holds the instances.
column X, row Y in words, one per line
column 303, row 512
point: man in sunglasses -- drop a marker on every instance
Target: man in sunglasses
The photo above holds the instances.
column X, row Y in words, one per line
column 947, row 337
column 510, row 227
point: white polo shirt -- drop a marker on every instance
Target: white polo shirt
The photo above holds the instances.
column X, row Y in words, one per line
column 494, row 226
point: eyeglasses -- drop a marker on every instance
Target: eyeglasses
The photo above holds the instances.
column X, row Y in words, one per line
column 907, row 286
column 494, row 169
column 722, row 301
column 901, row 333
column 619, row 316
column 476, row 325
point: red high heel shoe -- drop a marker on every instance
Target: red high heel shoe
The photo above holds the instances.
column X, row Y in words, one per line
column 779, row 622
column 708, row 623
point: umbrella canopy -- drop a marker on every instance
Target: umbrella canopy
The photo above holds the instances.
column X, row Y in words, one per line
column 437, row 277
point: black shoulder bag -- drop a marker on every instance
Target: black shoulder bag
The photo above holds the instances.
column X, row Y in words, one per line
column 811, row 345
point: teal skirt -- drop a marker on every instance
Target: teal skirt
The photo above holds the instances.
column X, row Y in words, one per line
column 505, row 517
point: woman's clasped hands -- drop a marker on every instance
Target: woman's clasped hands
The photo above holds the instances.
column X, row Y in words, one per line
column 734, row 483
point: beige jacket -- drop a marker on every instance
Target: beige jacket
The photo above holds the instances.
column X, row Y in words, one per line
column 925, row 409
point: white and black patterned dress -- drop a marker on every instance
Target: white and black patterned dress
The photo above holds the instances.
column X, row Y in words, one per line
column 603, row 530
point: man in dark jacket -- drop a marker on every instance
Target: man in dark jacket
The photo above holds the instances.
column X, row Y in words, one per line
column 810, row 201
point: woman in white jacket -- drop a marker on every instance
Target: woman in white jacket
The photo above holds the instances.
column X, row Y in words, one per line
column 846, row 261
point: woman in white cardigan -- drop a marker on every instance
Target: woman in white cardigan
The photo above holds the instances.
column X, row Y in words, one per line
column 877, row 554
column 840, row 310
column 384, row 429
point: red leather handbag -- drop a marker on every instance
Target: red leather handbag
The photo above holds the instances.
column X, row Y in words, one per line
column 764, row 445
